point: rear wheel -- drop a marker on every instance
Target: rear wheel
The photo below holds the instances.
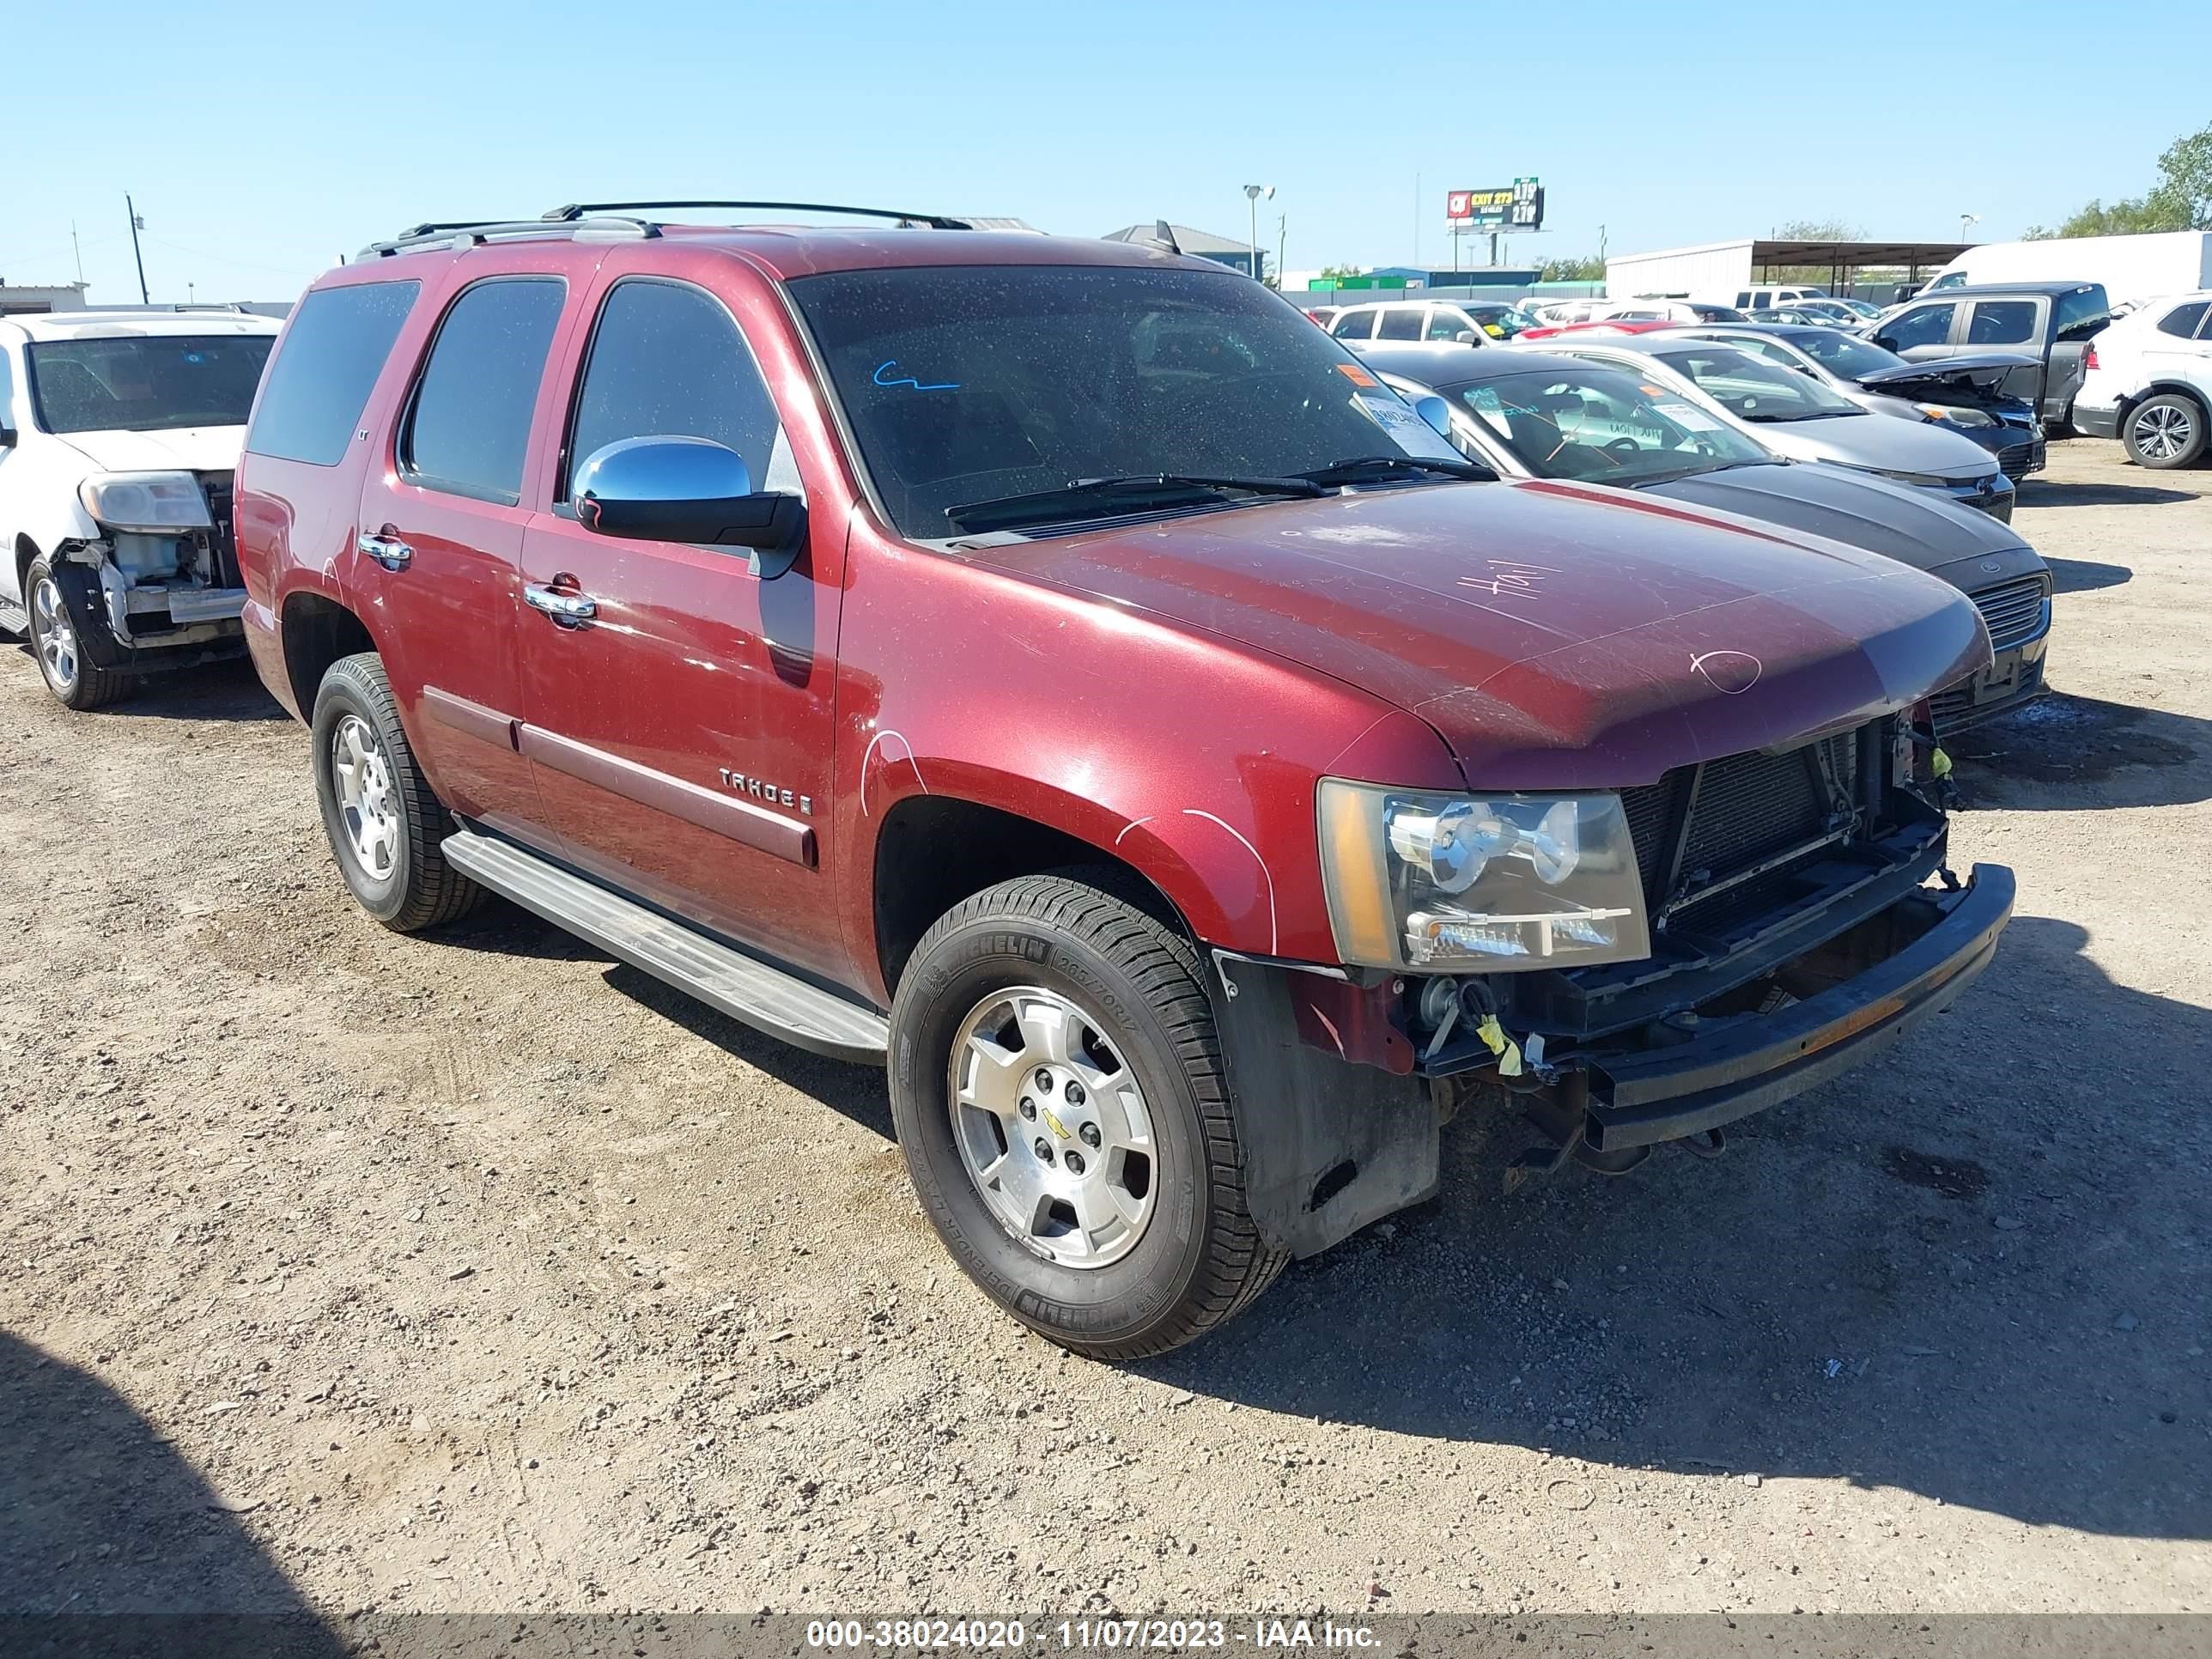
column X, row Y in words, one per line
column 74, row 681
column 1060, row 1099
column 2165, row 432
column 384, row 822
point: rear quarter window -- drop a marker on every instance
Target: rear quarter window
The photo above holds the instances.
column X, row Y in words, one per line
column 323, row 373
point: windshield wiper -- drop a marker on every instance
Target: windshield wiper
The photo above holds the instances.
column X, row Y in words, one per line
column 1043, row 506
column 1383, row 466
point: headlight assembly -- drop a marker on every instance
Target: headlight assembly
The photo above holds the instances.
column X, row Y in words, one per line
column 145, row 501
column 1951, row 415
column 1447, row 884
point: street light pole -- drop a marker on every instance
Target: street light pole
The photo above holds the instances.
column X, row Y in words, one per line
column 1254, row 195
column 1965, row 220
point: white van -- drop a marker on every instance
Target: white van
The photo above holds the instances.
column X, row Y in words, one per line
column 1759, row 299
column 2132, row 269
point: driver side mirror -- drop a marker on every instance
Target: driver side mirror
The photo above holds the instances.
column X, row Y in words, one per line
column 6, row 437
column 688, row 490
column 1466, row 337
column 1884, row 342
column 1436, row 411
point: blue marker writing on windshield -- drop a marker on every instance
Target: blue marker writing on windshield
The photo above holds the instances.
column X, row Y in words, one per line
column 908, row 380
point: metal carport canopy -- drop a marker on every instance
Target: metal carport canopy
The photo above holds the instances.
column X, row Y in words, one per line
column 1851, row 256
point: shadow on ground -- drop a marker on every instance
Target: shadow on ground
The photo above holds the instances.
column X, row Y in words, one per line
column 215, row 692
column 1979, row 1282
column 100, row 1515
column 2040, row 492
column 2085, row 575
column 2047, row 755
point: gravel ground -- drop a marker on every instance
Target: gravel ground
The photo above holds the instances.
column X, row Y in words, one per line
column 472, row 1271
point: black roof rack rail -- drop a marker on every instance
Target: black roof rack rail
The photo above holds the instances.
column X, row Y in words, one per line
column 574, row 210
column 474, row 233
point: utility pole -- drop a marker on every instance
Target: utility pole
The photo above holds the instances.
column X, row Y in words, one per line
column 1282, row 247
column 79, row 251
column 137, row 225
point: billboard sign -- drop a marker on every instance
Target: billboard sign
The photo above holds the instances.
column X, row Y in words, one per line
column 1519, row 206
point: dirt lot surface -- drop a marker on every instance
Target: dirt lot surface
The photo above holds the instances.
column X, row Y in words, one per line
column 472, row 1271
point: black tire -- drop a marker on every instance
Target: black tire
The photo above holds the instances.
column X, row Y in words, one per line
column 81, row 685
column 2166, row 431
column 1200, row 1260
column 420, row 890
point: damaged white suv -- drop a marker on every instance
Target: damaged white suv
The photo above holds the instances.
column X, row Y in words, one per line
column 120, row 431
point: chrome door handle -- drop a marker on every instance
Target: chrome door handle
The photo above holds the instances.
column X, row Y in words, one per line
column 387, row 551
column 569, row 609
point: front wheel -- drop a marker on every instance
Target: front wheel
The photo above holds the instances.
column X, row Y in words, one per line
column 1060, row 1096
column 2165, row 432
column 76, row 683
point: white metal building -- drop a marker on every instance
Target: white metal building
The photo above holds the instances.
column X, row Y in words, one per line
column 17, row 299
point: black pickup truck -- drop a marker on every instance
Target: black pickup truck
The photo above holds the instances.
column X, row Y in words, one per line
column 2054, row 321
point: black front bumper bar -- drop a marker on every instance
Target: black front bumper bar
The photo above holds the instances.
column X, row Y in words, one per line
column 1641, row 1097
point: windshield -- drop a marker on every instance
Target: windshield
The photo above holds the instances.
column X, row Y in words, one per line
column 1604, row 425
column 1846, row 355
column 146, row 382
column 969, row 383
column 1756, row 390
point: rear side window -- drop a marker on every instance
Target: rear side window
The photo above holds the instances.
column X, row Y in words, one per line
column 2182, row 321
column 1354, row 326
column 1400, row 323
column 1923, row 326
column 2001, row 322
column 667, row 361
column 469, row 426
column 320, row 381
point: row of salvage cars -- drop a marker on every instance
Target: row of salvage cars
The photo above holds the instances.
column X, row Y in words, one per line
column 1780, row 425
column 118, row 433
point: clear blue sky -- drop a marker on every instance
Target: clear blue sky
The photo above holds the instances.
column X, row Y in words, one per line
column 262, row 141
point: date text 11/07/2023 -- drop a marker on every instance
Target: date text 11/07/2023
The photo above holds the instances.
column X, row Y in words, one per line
column 1087, row 1634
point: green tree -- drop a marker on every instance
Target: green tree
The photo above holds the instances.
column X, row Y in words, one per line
column 1589, row 268
column 1338, row 273
column 2180, row 200
column 1820, row 230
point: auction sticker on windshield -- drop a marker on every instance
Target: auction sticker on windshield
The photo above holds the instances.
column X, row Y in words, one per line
column 1408, row 429
column 1688, row 416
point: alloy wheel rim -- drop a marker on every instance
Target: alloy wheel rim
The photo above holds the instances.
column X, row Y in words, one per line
column 2162, row 434
column 367, row 808
column 1053, row 1128
column 57, row 638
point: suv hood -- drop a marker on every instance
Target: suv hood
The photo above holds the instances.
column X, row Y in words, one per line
column 187, row 448
column 1555, row 635
column 1899, row 521
column 1989, row 376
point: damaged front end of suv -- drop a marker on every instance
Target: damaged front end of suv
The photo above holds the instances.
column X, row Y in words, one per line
column 1625, row 969
column 149, row 582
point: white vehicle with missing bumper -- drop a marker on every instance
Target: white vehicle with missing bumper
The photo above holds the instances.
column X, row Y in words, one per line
column 118, row 435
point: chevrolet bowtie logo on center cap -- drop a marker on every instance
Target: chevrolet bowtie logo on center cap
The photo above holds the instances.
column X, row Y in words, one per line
column 1052, row 1122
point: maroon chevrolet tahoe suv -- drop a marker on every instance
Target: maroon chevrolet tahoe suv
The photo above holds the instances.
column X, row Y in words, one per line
column 1057, row 672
